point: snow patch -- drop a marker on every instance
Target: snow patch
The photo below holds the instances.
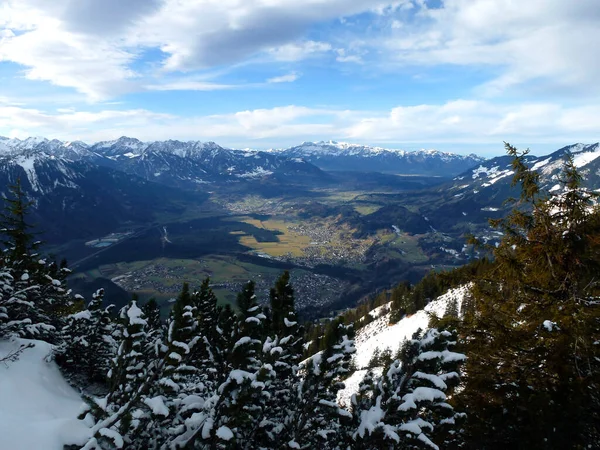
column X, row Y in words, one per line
column 38, row 407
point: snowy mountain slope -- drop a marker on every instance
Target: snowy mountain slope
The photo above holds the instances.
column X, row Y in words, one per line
column 340, row 156
column 171, row 162
column 497, row 172
column 465, row 204
column 379, row 335
column 38, row 409
column 77, row 199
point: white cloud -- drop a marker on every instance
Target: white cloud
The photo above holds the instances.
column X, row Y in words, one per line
column 93, row 66
column 343, row 57
column 299, row 51
column 459, row 121
column 93, row 46
column 184, row 85
column 97, row 47
column 543, row 41
column 288, row 78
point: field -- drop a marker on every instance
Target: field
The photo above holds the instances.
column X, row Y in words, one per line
column 289, row 242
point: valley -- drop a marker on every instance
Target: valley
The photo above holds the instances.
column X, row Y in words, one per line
column 142, row 218
column 235, row 239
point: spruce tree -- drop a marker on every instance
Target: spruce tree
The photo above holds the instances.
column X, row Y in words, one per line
column 531, row 331
column 36, row 300
column 88, row 342
column 283, row 350
column 407, row 406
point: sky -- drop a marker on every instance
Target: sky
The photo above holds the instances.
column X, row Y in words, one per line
column 454, row 75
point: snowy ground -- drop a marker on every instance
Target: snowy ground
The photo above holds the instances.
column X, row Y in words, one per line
column 380, row 335
column 38, row 409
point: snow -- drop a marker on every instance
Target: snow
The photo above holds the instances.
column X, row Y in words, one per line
column 113, row 435
column 256, row 173
column 224, row 433
column 549, row 325
column 135, row 315
column 289, row 323
column 586, row 157
column 38, row 408
column 380, row 335
column 540, row 164
column 370, row 419
column 420, row 394
column 244, row 340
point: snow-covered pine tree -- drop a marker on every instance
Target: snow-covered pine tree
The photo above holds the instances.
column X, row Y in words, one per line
column 181, row 338
column 242, row 395
column 37, row 301
column 209, row 354
column 283, row 351
column 88, row 342
column 317, row 420
column 116, row 417
column 408, row 405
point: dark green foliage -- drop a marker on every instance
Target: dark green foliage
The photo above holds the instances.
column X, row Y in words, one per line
column 152, row 313
column 19, row 242
column 531, row 329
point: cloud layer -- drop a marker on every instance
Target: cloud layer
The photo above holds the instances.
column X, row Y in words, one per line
column 457, row 122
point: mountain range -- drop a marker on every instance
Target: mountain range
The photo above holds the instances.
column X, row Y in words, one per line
column 82, row 190
column 193, row 163
column 340, row 156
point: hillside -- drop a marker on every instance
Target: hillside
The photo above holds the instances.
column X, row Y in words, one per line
column 379, row 336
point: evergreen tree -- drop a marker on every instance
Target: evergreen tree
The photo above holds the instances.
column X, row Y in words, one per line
column 531, row 330
column 152, row 313
column 36, row 300
column 117, row 416
column 209, row 354
column 89, row 345
column 315, row 419
column 407, row 407
column 283, row 351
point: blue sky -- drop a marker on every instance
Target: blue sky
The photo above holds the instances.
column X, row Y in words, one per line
column 458, row 75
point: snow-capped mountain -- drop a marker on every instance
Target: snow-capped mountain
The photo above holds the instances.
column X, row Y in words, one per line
column 175, row 163
column 480, row 193
column 180, row 163
column 77, row 198
column 489, row 173
column 331, row 155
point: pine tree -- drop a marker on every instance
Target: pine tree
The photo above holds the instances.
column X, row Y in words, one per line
column 210, row 353
column 316, row 420
column 89, row 345
column 283, row 351
column 407, row 406
column 117, row 416
column 531, row 331
column 242, row 391
column 36, row 300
